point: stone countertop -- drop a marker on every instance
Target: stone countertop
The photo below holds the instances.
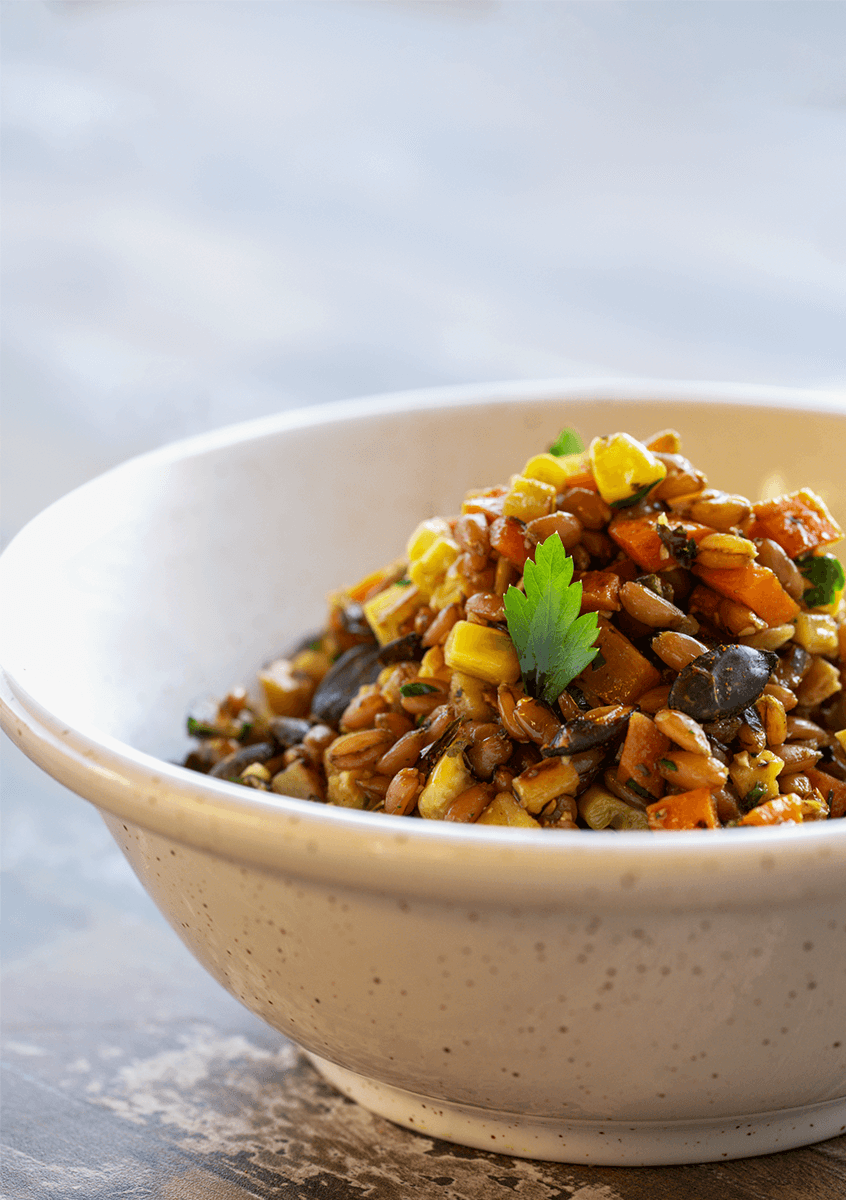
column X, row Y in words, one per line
column 128, row 1072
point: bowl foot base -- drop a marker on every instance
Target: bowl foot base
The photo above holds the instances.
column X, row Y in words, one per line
column 608, row 1143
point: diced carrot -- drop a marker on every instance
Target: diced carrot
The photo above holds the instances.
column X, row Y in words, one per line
column 619, row 673
column 655, row 699
column 777, row 811
column 685, row 810
column 489, row 502
column 799, row 522
column 625, row 570
column 509, row 538
column 703, row 602
column 600, row 591
column 755, row 586
column 833, row 790
column 373, row 582
column 583, row 479
column 639, row 538
column 644, row 745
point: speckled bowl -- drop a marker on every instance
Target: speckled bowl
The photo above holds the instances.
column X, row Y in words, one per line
column 608, row 998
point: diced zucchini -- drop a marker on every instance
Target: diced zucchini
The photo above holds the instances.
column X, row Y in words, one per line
column 603, row 810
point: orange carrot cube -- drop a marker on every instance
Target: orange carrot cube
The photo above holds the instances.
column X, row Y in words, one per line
column 755, row 586
column 799, row 522
column 695, row 809
column 777, row 811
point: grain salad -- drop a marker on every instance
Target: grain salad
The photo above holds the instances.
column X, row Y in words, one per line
column 605, row 642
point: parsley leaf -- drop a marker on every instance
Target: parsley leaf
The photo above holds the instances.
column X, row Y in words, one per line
column 825, row 573
column 567, row 442
column 554, row 644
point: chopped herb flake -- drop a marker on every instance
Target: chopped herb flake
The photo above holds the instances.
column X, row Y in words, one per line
column 201, row 729
column 639, row 790
column 417, row 689
column 668, row 764
column 682, row 548
column 754, row 795
column 629, row 501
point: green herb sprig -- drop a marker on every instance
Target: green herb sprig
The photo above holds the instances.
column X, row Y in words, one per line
column 554, row 644
column 567, row 442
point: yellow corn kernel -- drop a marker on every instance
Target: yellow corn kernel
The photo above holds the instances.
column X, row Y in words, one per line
column 450, row 590
column 448, row 779
column 424, row 535
column 529, row 498
column 428, row 571
column 553, row 469
column 432, row 665
column 288, row 692
column 600, row 809
column 504, row 810
column 486, row 653
column 624, row 469
column 756, row 773
column 816, row 632
column 841, row 737
column 314, row 663
column 342, row 789
column 390, row 609
column 547, row 469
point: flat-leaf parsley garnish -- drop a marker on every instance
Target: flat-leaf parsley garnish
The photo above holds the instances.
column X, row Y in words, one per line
column 567, row 442
column 554, row 644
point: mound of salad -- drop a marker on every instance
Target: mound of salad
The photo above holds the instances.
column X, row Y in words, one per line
column 604, row 642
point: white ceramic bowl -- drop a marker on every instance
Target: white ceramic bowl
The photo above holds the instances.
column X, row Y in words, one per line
column 609, row 998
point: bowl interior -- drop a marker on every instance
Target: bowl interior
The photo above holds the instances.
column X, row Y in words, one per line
column 178, row 574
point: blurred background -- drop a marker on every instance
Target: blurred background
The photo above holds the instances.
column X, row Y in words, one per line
column 214, row 210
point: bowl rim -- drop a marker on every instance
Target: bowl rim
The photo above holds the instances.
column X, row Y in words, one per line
column 717, row 868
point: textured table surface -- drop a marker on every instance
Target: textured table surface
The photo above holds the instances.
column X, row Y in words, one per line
column 214, row 211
